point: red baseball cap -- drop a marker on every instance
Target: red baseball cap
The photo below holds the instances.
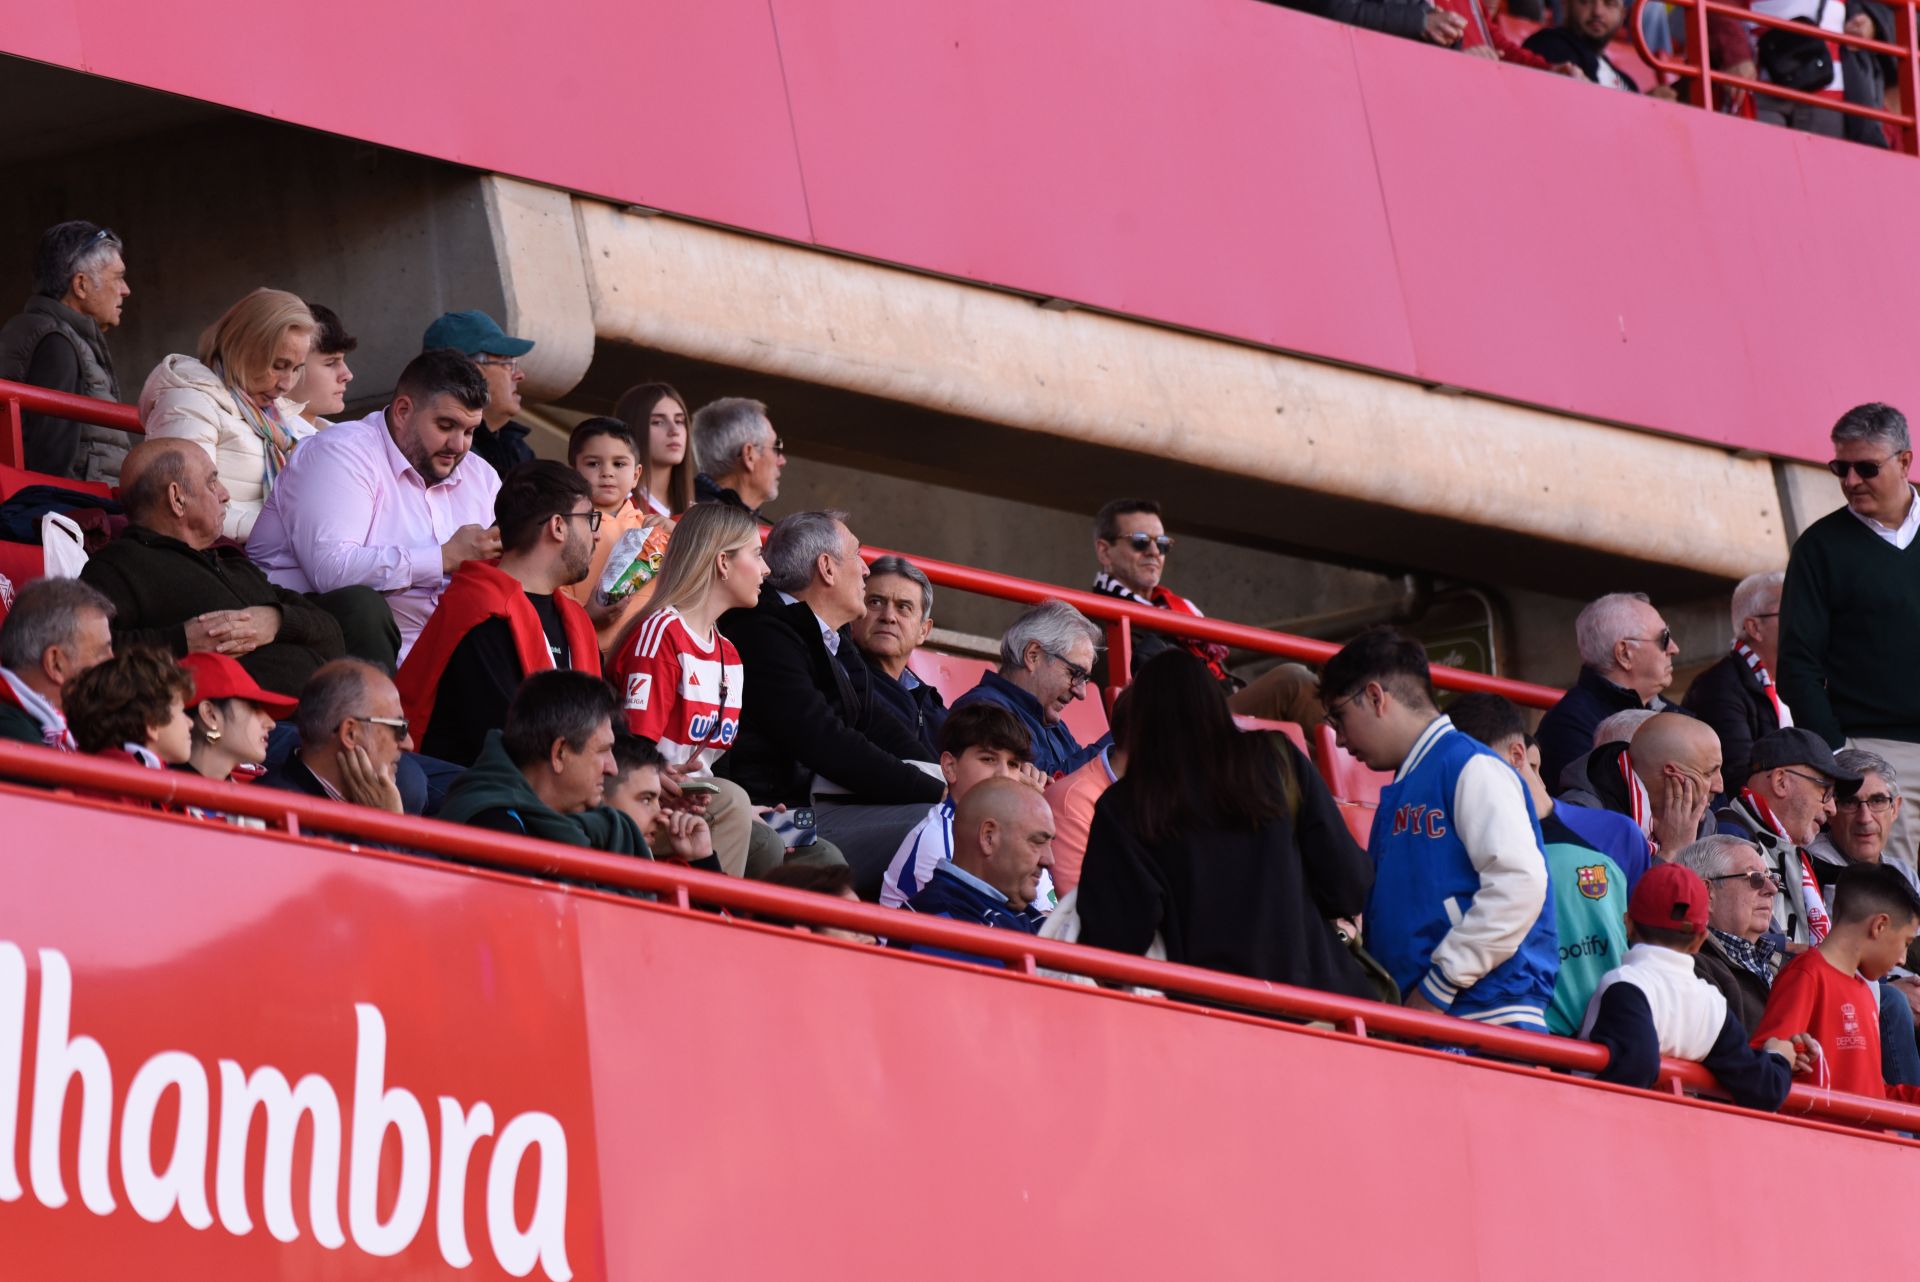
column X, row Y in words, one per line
column 1670, row 897
column 220, row 676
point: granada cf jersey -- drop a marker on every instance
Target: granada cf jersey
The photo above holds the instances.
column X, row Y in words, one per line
column 680, row 693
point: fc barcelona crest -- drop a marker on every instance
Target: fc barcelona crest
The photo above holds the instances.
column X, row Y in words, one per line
column 1593, row 881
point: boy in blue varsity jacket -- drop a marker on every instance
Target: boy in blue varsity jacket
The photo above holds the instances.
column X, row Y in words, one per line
column 1459, row 914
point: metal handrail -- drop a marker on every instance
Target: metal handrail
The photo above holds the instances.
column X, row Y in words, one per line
column 1120, row 616
column 97, row 780
column 1701, row 77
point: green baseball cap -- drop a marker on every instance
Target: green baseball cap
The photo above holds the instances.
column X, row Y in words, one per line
column 474, row 333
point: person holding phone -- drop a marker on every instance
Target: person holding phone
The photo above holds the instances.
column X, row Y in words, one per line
column 681, row 679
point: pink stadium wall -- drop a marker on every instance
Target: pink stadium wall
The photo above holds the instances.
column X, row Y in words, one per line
column 1219, row 165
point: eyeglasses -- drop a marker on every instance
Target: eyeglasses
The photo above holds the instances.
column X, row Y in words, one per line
column 1865, row 469
column 1141, row 542
column 504, row 362
column 592, row 518
column 1077, row 676
column 1754, row 880
column 1663, row 640
column 779, row 447
column 1826, row 785
column 396, row 724
column 96, row 238
column 1334, row 712
column 1878, row 803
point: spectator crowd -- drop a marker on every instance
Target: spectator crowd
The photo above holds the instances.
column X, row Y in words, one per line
column 411, row 612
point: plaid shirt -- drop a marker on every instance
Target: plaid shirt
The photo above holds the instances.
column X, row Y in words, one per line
column 1757, row 957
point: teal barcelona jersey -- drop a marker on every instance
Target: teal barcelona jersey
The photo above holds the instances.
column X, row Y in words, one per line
column 1590, row 902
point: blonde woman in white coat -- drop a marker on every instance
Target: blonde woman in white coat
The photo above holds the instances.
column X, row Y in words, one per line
column 230, row 400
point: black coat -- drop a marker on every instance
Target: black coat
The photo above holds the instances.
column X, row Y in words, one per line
column 800, row 717
column 158, row 584
column 1254, row 903
column 1729, row 697
column 1560, row 46
column 1566, row 732
column 921, row 710
column 1746, row 992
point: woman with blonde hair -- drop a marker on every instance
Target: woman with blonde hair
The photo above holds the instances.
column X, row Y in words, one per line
column 682, row 679
column 657, row 416
column 230, row 398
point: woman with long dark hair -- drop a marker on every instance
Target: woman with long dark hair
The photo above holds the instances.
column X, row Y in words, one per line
column 1227, row 844
column 657, row 417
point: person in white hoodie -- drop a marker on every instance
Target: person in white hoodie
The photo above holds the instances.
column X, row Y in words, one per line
column 230, row 399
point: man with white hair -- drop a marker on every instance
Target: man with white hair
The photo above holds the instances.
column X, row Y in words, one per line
column 1741, row 955
column 59, row 342
column 807, row 739
column 1046, row 660
column 1850, row 610
column 1626, row 660
column 740, row 455
column 1737, row 695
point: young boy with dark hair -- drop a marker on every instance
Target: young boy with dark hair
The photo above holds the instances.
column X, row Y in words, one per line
column 979, row 741
column 1825, row 992
column 1459, row 914
column 1653, row 1004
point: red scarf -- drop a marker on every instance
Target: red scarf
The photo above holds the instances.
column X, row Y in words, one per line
column 1781, row 715
column 477, row 592
column 1210, row 653
column 1810, row 901
column 1639, row 801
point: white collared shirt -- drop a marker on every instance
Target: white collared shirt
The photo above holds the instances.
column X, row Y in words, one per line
column 827, row 634
column 1903, row 536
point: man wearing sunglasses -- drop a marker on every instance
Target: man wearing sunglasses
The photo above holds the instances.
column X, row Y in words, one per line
column 1626, row 660
column 1741, row 955
column 1132, row 546
column 1850, row 613
column 1787, row 797
column 498, row 624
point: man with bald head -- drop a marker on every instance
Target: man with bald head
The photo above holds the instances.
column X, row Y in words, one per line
column 173, row 588
column 1002, row 842
column 1788, row 796
column 1664, row 779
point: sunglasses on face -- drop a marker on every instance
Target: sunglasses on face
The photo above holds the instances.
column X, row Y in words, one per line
column 1865, row 469
column 1663, row 640
column 1142, row 542
column 1754, row 880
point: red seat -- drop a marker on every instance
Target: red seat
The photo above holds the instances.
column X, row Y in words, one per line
column 1347, row 777
column 1291, row 729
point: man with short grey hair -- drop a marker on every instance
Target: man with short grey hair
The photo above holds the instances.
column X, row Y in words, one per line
column 1737, row 695
column 59, row 342
column 740, row 455
column 1626, row 660
column 1850, row 612
column 1046, row 659
column 55, row 630
column 897, row 621
column 1740, row 956
column 807, row 739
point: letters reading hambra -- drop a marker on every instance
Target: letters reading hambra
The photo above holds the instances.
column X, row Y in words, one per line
column 179, row 1186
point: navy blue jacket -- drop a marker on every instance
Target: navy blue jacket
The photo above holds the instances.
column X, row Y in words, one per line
column 1566, row 732
column 1624, row 1025
column 949, row 895
column 505, row 449
column 920, row 709
column 1055, row 751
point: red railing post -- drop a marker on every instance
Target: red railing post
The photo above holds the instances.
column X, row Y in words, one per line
column 1119, row 656
column 13, row 449
column 1698, row 51
column 1904, row 36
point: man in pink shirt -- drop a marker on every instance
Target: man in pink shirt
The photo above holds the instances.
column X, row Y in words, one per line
column 388, row 502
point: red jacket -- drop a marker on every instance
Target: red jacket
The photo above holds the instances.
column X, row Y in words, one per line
column 478, row 591
column 1486, row 18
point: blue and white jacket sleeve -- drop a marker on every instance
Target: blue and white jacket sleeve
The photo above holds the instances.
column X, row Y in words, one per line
column 1490, row 817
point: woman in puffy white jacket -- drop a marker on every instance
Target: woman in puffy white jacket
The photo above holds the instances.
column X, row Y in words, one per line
column 231, row 399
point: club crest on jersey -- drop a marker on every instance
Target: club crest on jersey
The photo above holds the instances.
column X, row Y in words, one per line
column 639, row 688
column 1430, row 820
column 1593, row 881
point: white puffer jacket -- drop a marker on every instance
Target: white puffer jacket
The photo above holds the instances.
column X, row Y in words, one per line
column 183, row 398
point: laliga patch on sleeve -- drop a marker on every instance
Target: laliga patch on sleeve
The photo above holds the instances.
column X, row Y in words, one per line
column 639, row 689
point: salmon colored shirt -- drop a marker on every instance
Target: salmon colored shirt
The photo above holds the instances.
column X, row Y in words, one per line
column 1072, row 799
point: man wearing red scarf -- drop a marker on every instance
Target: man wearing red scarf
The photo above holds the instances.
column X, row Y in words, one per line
column 497, row 623
column 1786, row 799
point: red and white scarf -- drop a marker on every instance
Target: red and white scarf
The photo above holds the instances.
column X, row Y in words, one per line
column 53, row 726
column 1639, row 801
column 1781, row 712
column 1211, row 653
column 1810, row 901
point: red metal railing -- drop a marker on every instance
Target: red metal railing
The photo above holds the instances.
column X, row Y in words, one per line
column 685, row 890
column 1120, row 616
column 1701, row 79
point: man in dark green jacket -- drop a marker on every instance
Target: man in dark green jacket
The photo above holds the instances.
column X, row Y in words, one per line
column 544, row 773
column 1850, row 610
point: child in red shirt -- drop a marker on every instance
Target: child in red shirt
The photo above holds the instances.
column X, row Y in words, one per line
column 1825, row 992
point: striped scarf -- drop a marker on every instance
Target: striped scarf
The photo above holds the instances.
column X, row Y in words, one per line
column 1811, row 902
column 276, row 440
column 1781, row 713
column 53, row 725
column 1639, row 801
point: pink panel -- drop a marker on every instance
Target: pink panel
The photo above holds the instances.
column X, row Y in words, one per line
column 1206, row 164
column 672, row 105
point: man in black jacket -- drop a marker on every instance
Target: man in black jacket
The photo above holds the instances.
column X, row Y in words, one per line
column 1736, row 696
column 1626, row 660
column 1582, row 40
column 898, row 618
column 803, row 729
column 171, row 587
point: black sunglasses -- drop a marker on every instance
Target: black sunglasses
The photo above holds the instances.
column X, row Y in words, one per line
column 1141, row 542
column 1664, row 640
column 1865, row 469
column 1755, row 880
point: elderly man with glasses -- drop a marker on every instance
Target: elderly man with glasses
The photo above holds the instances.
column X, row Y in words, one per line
column 1851, row 609
column 1626, row 660
column 1131, row 544
column 353, row 735
column 1741, row 954
column 1046, row 662
column 1788, row 795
